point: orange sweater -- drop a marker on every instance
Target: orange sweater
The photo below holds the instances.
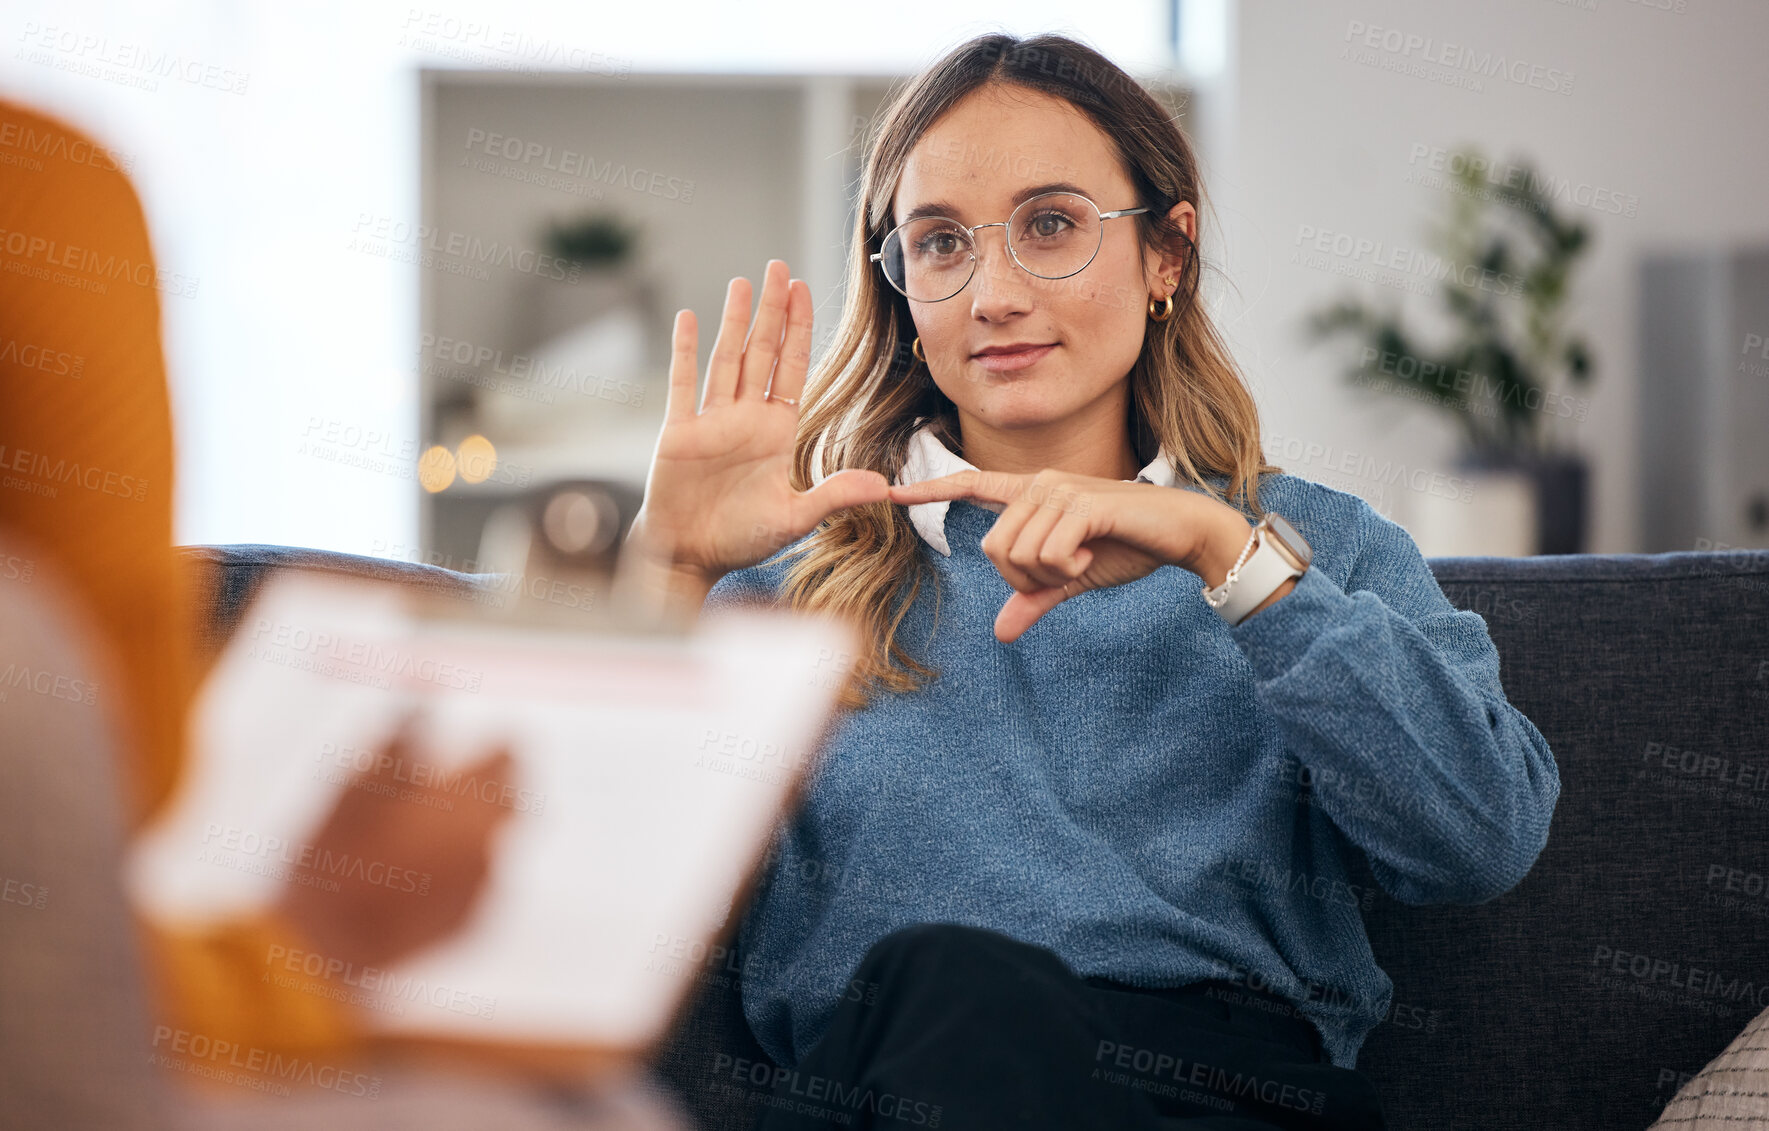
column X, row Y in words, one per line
column 86, row 468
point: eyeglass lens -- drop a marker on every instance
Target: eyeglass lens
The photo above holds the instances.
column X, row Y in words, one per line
column 1053, row 235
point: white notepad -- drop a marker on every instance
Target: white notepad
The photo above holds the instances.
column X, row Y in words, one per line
column 650, row 771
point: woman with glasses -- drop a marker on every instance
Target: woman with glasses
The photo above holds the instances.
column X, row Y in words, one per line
column 1076, row 854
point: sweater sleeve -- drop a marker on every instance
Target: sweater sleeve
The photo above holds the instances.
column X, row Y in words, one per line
column 232, row 982
column 737, row 589
column 1390, row 695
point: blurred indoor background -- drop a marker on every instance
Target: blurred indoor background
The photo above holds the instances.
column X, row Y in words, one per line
column 1502, row 269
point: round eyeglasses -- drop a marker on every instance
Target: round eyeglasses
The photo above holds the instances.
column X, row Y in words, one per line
column 1052, row 235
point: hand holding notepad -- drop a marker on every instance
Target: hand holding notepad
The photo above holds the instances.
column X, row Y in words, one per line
column 444, row 833
column 646, row 773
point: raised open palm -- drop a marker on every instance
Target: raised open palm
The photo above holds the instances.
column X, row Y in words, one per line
column 719, row 497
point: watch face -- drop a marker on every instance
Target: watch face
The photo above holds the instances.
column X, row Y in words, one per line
column 1289, row 538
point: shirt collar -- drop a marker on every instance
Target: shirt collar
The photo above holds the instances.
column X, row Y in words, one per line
column 928, row 458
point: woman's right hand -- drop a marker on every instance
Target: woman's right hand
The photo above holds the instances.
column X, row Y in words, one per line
column 719, row 497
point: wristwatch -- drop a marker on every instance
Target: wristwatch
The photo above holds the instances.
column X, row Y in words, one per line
column 1278, row 553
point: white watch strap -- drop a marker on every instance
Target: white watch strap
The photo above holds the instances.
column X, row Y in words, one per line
column 1264, row 570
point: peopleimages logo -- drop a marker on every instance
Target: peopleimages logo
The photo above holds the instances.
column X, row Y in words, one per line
column 38, row 474
column 48, row 684
column 1382, row 255
column 381, row 983
column 822, row 1090
column 570, row 163
column 1758, row 344
column 1154, row 1064
column 58, row 363
column 1519, row 182
column 1695, row 981
column 363, row 658
column 1410, row 53
column 34, row 896
column 529, row 374
column 505, row 48
column 260, row 1069
column 87, row 269
column 1478, row 386
column 393, row 238
column 224, row 845
column 98, row 56
column 56, row 145
column 1365, row 466
column 427, row 776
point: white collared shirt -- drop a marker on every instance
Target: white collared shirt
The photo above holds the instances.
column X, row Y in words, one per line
column 928, row 458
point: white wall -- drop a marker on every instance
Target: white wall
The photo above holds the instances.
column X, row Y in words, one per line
column 251, row 177
column 1667, row 106
column 255, row 183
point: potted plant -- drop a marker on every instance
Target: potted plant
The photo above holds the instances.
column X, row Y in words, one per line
column 596, row 278
column 587, row 344
column 597, row 239
column 1504, row 364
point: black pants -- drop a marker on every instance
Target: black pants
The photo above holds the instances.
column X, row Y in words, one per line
column 960, row 1028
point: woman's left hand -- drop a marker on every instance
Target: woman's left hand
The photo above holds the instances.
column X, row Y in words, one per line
column 1062, row 534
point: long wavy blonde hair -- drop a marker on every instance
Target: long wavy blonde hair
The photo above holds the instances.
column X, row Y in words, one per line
column 868, row 394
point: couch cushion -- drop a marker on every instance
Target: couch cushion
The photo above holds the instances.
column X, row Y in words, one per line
column 1635, row 950
column 1731, row 1092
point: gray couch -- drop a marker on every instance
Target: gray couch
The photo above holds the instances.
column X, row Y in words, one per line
column 1633, row 952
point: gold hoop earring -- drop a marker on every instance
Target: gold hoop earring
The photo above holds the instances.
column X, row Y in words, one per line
column 1166, row 311
column 915, row 348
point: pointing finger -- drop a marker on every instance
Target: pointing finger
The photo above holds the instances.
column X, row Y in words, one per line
column 994, row 486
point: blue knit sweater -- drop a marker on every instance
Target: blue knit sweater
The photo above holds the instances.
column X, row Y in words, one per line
column 1157, row 797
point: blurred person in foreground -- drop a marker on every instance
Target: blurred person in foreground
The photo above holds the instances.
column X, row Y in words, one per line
column 86, row 450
